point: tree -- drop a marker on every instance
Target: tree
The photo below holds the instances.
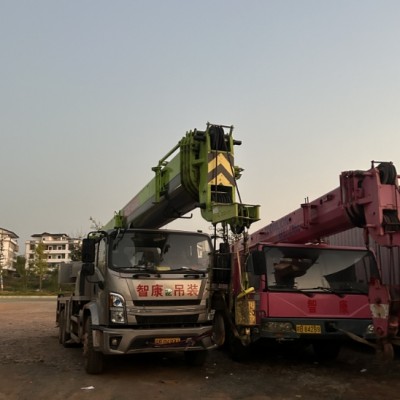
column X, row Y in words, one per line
column 40, row 265
column 22, row 271
column 75, row 251
column 97, row 225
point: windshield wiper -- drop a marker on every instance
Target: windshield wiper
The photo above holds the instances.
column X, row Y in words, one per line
column 191, row 270
column 352, row 290
column 281, row 288
column 132, row 267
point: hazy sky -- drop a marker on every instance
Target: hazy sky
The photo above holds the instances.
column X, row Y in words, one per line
column 94, row 93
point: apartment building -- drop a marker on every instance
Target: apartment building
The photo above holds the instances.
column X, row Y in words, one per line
column 8, row 249
column 57, row 247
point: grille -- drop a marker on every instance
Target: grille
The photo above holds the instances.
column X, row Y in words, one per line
column 167, row 320
column 166, row 303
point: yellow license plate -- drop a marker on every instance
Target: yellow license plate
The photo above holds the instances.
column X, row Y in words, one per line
column 170, row 340
column 308, row 329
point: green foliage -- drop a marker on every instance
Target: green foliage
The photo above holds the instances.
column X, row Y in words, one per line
column 22, row 271
column 16, row 285
column 76, row 252
column 39, row 265
column 96, row 225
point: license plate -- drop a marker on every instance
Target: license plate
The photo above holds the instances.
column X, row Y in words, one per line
column 308, row 329
column 170, row 340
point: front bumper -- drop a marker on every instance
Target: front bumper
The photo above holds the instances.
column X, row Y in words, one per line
column 121, row 340
column 297, row 328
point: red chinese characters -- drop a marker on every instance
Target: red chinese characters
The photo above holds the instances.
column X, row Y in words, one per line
column 142, row 290
column 192, row 289
column 343, row 307
column 157, row 290
column 178, row 290
column 312, row 306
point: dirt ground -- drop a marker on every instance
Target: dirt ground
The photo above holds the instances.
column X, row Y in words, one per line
column 33, row 365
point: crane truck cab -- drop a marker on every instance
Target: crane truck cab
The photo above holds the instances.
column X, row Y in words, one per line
column 312, row 294
column 125, row 304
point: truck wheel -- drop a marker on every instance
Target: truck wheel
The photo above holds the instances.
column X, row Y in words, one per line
column 63, row 336
column 326, row 350
column 196, row 358
column 236, row 349
column 218, row 335
column 93, row 360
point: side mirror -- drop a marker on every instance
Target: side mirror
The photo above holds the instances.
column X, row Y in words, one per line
column 88, row 250
column 259, row 262
column 87, row 269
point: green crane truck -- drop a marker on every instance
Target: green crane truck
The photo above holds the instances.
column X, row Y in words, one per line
column 141, row 288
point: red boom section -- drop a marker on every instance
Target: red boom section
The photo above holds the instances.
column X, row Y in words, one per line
column 367, row 199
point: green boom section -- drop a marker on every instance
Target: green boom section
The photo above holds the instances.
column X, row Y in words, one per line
column 199, row 172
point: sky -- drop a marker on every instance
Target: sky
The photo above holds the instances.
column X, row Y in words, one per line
column 94, row 93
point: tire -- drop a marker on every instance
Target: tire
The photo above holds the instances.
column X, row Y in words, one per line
column 93, row 360
column 219, row 335
column 196, row 358
column 385, row 351
column 63, row 336
column 237, row 351
column 326, row 350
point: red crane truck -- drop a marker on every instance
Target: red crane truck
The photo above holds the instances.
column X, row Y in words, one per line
column 143, row 289
column 289, row 285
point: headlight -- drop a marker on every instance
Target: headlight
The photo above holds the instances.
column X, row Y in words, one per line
column 117, row 308
column 370, row 329
column 116, row 300
column 117, row 317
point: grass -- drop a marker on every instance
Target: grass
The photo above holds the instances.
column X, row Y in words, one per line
column 29, row 286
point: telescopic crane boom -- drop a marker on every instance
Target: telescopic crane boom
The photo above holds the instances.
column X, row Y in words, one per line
column 198, row 172
column 366, row 199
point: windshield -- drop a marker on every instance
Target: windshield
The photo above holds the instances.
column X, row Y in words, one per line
column 324, row 269
column 160, row 251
